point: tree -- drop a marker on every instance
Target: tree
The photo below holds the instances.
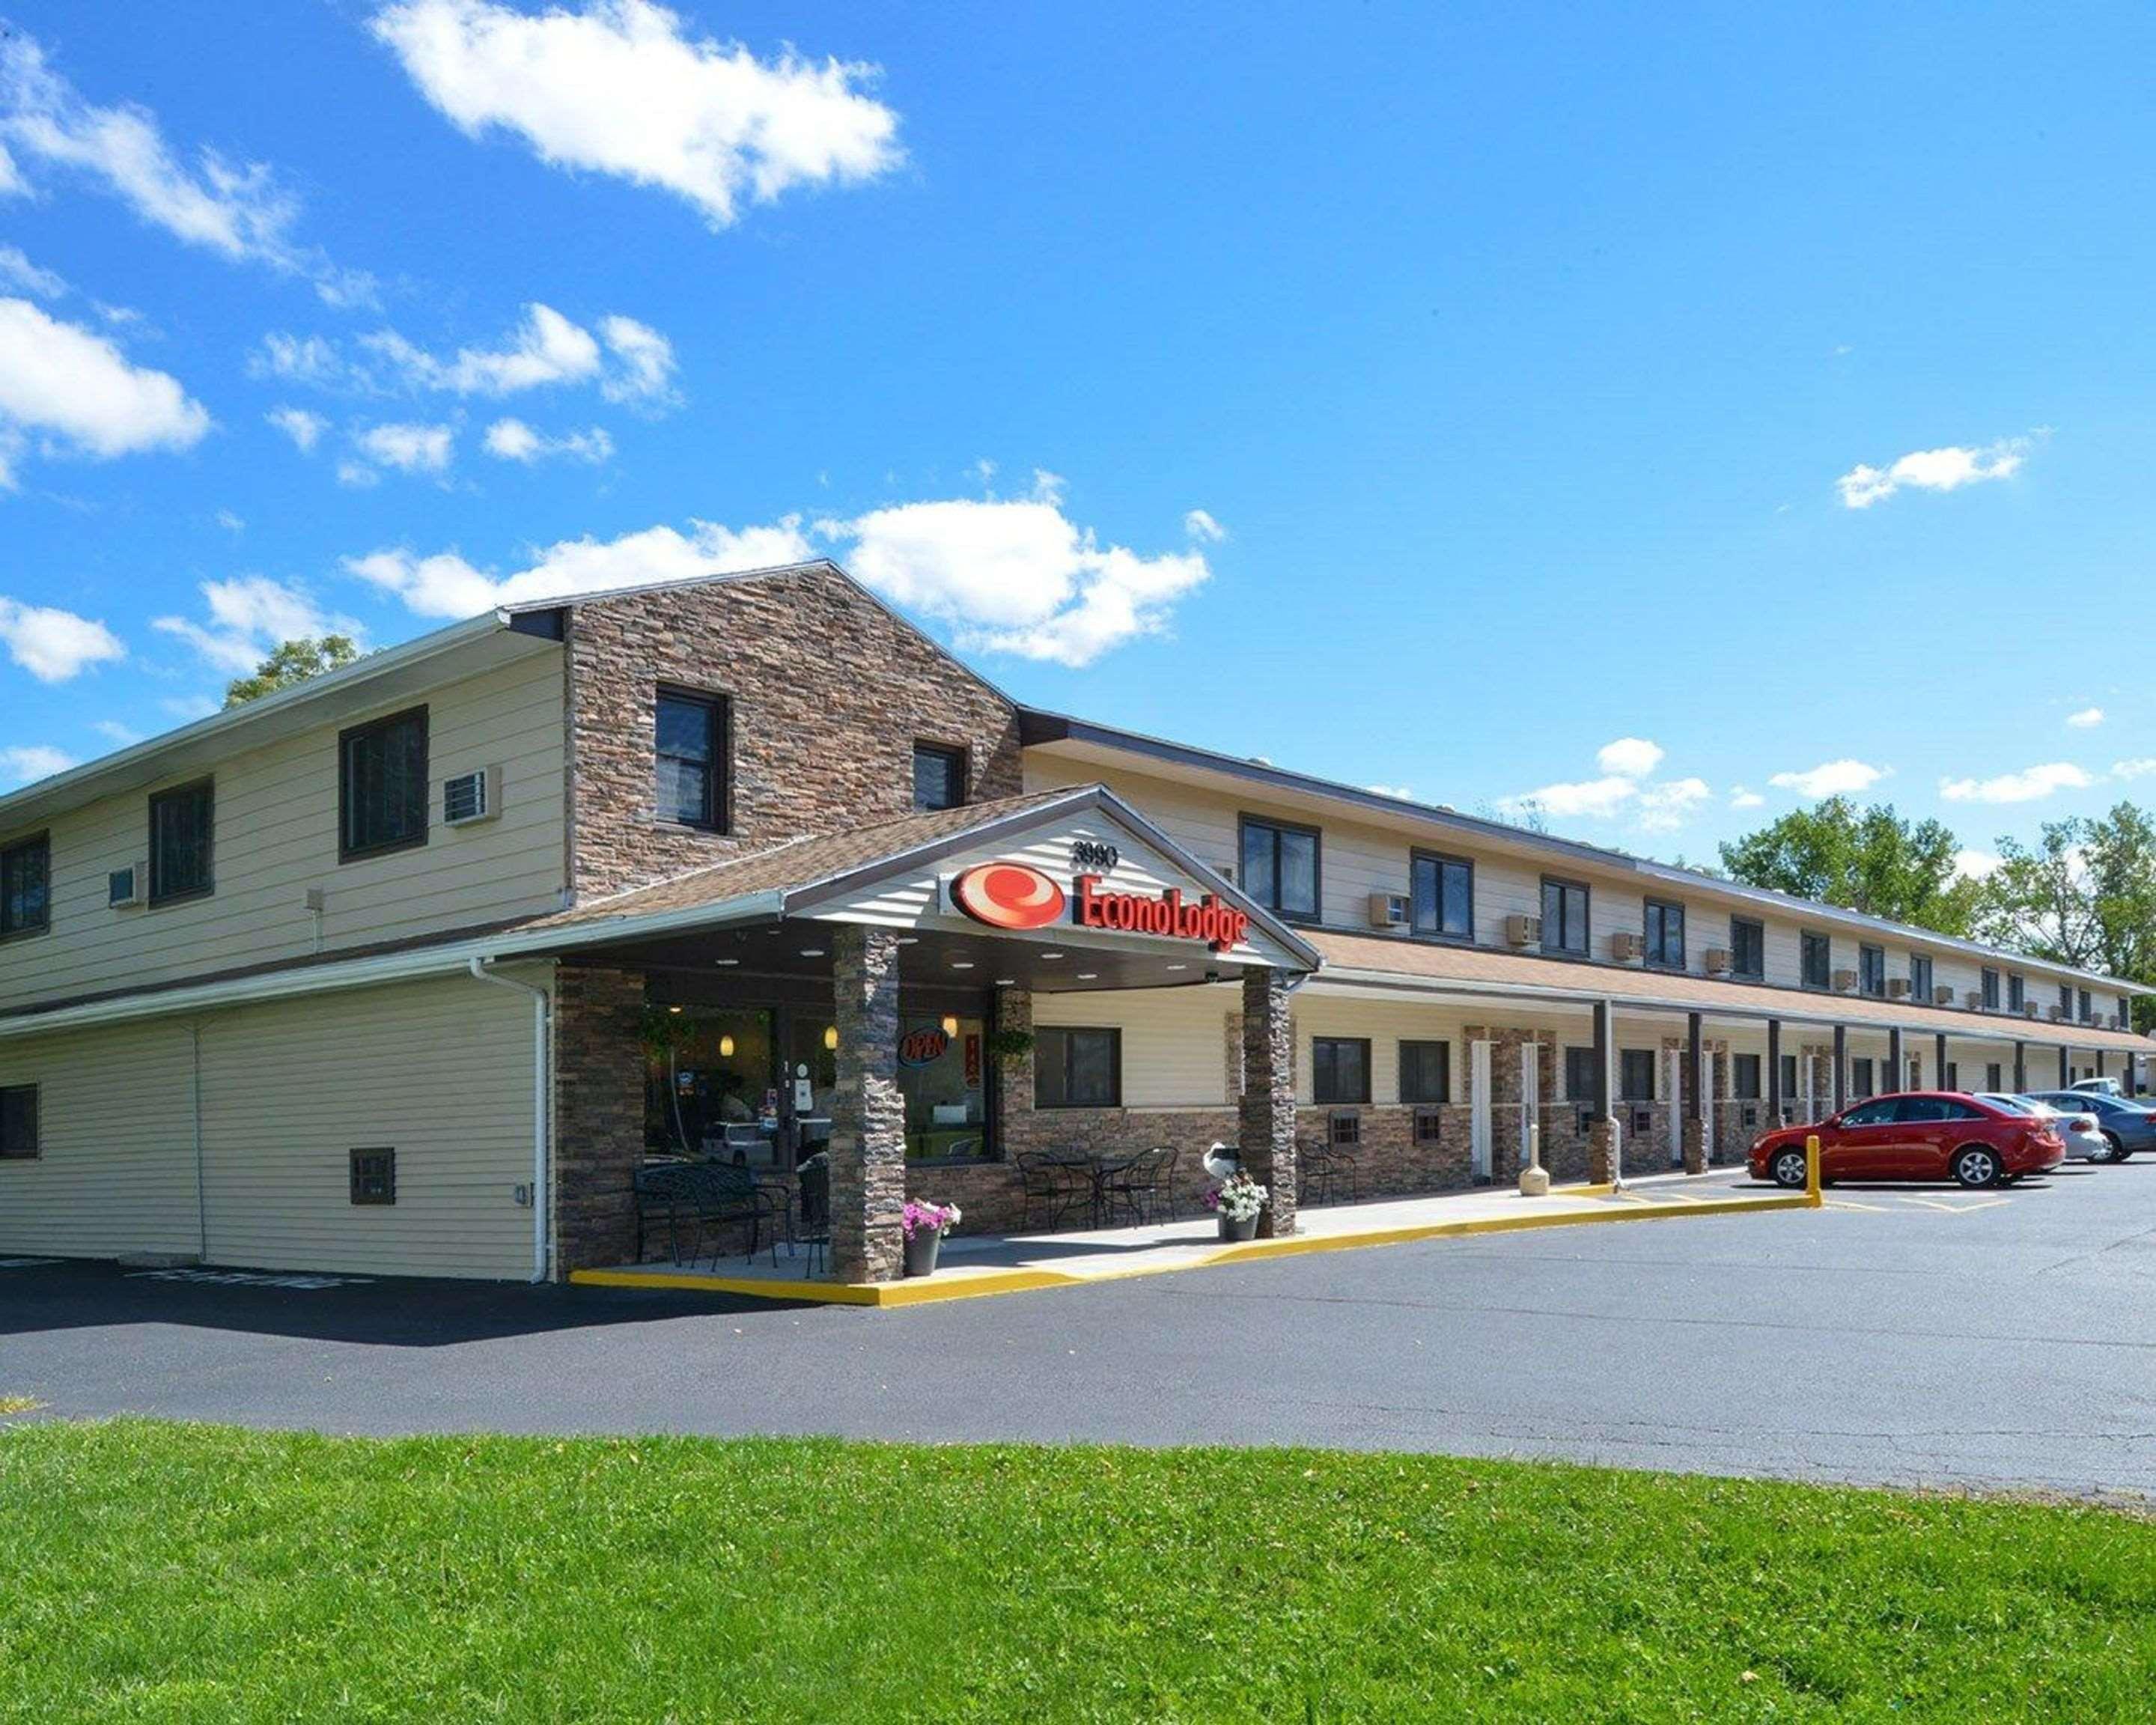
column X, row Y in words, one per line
column 1867, row 860
column 293, row 662
column 2084, row 894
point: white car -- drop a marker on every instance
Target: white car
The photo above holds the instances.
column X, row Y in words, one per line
column 2102, row 1087
column 2084, row 1138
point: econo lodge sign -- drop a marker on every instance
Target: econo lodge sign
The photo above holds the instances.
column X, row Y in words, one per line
column 1015, row 896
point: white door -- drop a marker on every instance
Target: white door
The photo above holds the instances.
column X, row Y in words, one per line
column 1480, row 1101
column 1673, row 1088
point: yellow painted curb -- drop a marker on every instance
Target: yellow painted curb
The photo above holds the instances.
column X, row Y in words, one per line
column 928, row 1291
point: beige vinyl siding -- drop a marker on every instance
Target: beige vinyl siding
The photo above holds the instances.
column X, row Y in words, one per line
column 276, row 836
column 1175, row 1040
column 115, row 1170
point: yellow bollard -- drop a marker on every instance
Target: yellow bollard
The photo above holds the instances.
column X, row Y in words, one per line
column 1812, row 1171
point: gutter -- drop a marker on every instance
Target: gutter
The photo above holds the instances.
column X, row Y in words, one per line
column 481, row 971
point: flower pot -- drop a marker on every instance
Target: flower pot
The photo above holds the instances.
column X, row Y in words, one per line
column 920, row 1248
column 1239, row 1227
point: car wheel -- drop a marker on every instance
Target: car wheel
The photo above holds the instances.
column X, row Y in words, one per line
column 2114, row 1151
column 1976, row 1165
column 1788, row 1167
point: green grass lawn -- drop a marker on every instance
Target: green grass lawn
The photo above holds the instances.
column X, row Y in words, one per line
column 152, row 1571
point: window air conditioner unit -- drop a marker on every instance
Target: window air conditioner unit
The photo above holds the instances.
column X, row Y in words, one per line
column 1625, row 947
column 1973, row 999
column 2111, row 1023
column 471, row 797
column 1717, row 961
column 1845, row 982
column 1898, row 988
column 2028, row 1009
column 2058, row 1014
column 1388, row 910
column 126, row 889
column 1942, row 995
column 1523, row 930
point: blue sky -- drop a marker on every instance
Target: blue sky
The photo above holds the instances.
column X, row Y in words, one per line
column 1645, row 414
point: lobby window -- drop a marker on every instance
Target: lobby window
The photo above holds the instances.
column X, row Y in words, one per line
column 1871, row 970
column 1279, row 867
column 1078, row 1068
column 26, row 886
column 1818, row 961
column 1579, row 1075
column 18, row 1122
column 691, row 765
column 374, row 1176
column 1748, row 949
column 1340, row 1068
column 939, row 777
column 1666, row 934
column 1635, row 1074
column 382, row 785
column 1990, row 995
column 1564, row 917
column 1920, row 979
column 1744, row 1077
column 1443, row 896
column 1425, row 1072
column 1860, row 1077
column 2017, row 993
column 182, row 834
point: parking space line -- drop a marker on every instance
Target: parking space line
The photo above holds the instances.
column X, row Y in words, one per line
column 1955, row 1209
column 1850, row 1204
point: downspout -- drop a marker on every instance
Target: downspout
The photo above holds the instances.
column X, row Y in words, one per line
column 194, row 1097
column 482, row 971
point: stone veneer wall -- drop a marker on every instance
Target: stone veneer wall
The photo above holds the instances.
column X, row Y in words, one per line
column 598, row 1114
column 828, row 694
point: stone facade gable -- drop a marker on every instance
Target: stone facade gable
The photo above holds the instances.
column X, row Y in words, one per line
column 828, row 693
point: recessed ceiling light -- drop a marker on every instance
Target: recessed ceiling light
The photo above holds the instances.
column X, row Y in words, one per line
column 961, row 964
column 673, row 1008
column 1051, row 955
column 1088, row 976
column 811, row 951
column 1006, row 982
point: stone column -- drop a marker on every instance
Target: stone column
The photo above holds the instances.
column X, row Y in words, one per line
column 1266, row 1113
column 599, row 1115
column 868, row 1116
column 1602, row 1133
column 1693, row 1142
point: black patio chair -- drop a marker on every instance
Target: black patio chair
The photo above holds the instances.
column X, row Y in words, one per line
column 692, row 1198
column 1053, row 1186
column 812, row 1229
column 1141, row 1185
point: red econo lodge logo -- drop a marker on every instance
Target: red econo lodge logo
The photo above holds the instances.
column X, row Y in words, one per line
column 1008, row 895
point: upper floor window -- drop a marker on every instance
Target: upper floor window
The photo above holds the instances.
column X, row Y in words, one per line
column 1279, row 867
column 1748, row 947
column 18, row 1120
column 2065, row 1000
column 26, row 886
column 2086, row 1013
column 939, row 777
column 2125, row 1013
column 182, row 824
column 1920, row 977
column 1990, row 993
column 1443, row 895
column 1818, row 961
column 2017, row 993
column 1564, row 917
column 691, row 775
column 382, row 785
column 1340, row 1068
column 1666, row 934
column 1871, row 970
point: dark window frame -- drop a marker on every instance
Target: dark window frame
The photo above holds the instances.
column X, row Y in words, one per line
column 42, row 843
column 2017, row 992
column 9, row 1151
column 1632, row 1059
column 1555, row 943
column 1318, row 1096
column 1444, row 1070
column 1810, row 940
column 1994, row 1076
column 1739, row 1064
column 1658, row 957
column 346, row 850
column 1789, row 1077
column 369, row 1187
column 1244, row 823
column 958, row 757
column 1870, row 962
column 1862, row 1088
column 1755, row 972
column 1061, row 1035
column 158, row 894
column 1988, row 989
column 1440, row 861
column 1924, row 976
column 1580, row 1058
column 719, row 729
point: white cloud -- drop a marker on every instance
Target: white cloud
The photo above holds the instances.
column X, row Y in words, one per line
column 643, row 373
column 248, row 616
column 304, row 429
column 1593, row 799
column 19, row 271
column 1198, row 524
column 445, row 585
column 1663, row 808
column 25, row 763
column 408, row 448
column 1629, row 756
column 2027, row 785
column 1947, row 469
column 54, row 645
column 238, row 210
column 2139, row 767
column 1018, row 576
column 620, row 89
column 1739, row 797
column 546, row 348
column 513, row 440
column 76, row 392
column 231, row 522
column 2087, row 719
column 357, row 475
column 113, row 731
column 303, row 359
column 1974, row 865
column 1830, row 778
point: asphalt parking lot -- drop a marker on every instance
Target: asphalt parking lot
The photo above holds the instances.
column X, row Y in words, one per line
column 1906, row 1335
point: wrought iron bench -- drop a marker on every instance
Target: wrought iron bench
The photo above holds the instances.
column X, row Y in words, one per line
column 691, row 1197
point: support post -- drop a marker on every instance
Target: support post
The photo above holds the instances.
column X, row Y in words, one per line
column 1266, row 1113
column 2020, row 1067
column 1939, row 1061
column 868, row 1114
column 1602, row 1147
column 1774, row 1098
column 2065, row 1071
column 1695, row 1087
column 1897, row 1071
column 1841, row 1067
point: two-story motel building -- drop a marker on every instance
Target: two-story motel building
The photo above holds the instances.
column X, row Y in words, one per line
column 406, row 968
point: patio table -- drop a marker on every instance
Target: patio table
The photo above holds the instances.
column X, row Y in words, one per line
column 1099, row 1168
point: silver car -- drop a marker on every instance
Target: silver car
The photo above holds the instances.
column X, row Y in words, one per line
column 2078, row 1126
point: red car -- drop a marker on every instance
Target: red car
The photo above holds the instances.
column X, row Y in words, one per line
column 1918, row 1135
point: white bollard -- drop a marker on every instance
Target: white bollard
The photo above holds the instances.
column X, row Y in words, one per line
column 1534, row 1178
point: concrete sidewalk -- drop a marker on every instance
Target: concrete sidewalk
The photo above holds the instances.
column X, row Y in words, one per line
column 1003, row 1263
